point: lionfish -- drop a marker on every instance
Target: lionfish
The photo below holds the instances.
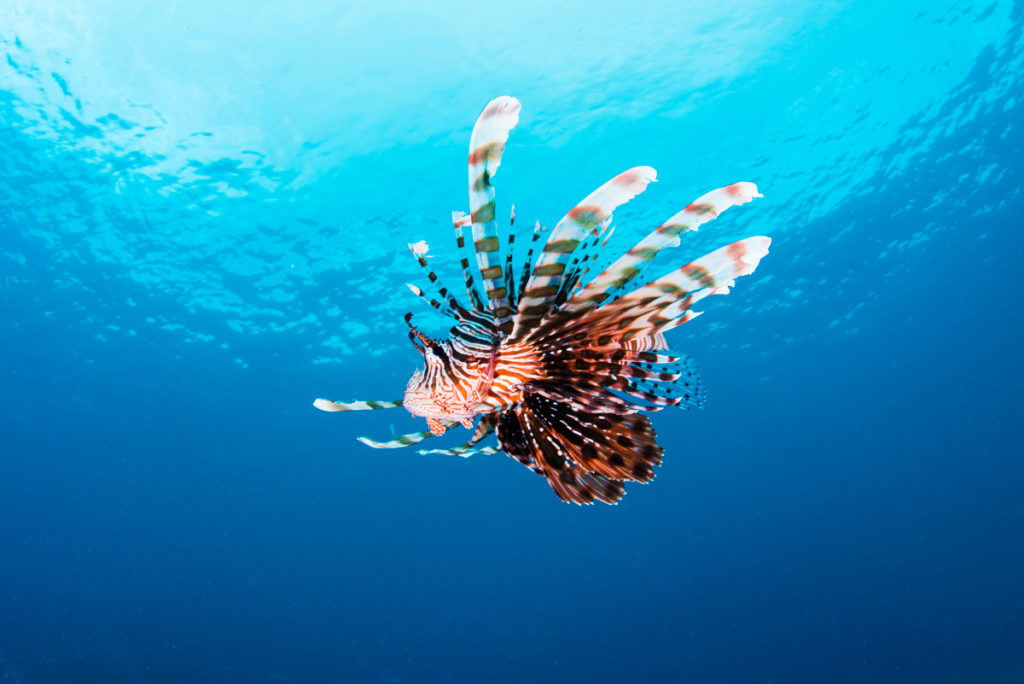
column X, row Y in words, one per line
column 562, row 368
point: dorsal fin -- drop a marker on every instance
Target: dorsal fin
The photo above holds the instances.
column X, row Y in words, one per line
column 525, row 277
column 451, row 305
column 459, row 221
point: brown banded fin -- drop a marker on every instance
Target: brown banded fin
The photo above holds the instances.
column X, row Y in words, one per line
column 633, row 262
column 328, row 405
column 587, row 218
column 486, row 146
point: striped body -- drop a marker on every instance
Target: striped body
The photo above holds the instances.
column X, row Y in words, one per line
column 560, row 366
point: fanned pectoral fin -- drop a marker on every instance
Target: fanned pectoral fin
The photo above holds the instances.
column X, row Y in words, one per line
column 584, row 456
column 328, row 405
column 660, row 305
column 633, row 262
column 587, row 218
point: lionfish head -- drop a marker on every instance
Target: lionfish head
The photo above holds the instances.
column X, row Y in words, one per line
column 437, row 392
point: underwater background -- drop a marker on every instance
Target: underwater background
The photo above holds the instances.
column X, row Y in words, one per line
column 204, row 213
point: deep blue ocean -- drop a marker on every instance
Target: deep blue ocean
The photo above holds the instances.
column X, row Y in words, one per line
column 204, row 216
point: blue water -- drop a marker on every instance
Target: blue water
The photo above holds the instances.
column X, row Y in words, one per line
column 205, row 209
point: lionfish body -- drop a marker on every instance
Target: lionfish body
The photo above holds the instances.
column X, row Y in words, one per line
column 561, row 367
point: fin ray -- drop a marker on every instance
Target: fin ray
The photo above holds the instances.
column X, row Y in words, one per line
column 398, row 442
column 328, row 405
column 705, row 208
column 486, row 146
column 587, row 218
